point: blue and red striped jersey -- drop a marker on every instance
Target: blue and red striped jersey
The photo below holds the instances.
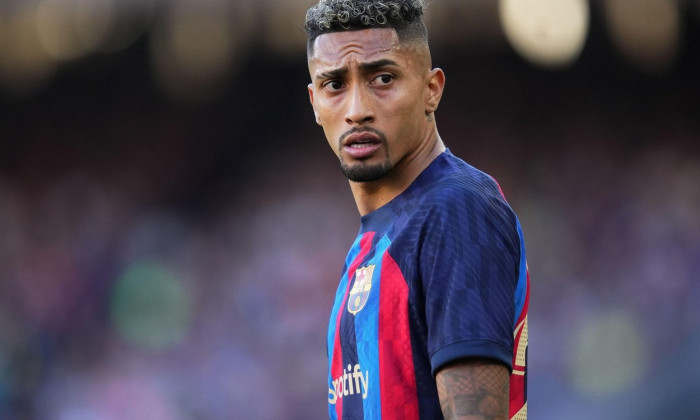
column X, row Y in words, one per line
column 436, row 275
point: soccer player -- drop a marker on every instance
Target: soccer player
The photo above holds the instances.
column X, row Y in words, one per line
column 430, row 316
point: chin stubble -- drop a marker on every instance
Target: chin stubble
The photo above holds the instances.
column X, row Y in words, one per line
column 364, row 171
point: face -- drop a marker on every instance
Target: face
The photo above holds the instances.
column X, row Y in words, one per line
column 374, row 99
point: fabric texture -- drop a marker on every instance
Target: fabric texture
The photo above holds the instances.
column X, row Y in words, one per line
column 436, row 275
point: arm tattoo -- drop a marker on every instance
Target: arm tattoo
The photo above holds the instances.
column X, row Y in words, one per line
column 474, row 390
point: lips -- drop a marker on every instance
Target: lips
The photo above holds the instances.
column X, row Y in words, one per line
column 361, row 145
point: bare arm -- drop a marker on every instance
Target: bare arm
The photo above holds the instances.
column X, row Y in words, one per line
column 474, row 389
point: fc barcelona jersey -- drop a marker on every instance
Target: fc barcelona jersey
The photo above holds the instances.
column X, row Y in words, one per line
column 436, row 275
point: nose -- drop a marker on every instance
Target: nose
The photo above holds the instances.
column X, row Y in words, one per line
column 359, row 108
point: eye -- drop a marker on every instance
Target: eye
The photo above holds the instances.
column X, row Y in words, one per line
column 383, row 79
column 333, row 85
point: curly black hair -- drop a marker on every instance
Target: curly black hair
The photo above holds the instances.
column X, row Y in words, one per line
column 404, row 16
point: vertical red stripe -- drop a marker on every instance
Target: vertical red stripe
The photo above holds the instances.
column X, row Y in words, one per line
column 337, row 361
column 518, row 382
column 399, row 398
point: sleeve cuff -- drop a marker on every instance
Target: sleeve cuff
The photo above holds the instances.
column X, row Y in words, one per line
column 472, row 348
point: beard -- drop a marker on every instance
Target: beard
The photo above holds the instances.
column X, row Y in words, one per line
column 365, row 171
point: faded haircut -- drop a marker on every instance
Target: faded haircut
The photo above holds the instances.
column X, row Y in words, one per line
column 404, row 16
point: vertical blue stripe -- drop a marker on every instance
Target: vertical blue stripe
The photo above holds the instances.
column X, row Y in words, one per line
column 521, row 290
column 339, row 295
column 367, row 334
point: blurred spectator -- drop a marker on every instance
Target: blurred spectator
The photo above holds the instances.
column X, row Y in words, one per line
column 221, row 206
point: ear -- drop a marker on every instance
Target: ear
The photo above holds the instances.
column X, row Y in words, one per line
column 434, row 88
column 310, row 87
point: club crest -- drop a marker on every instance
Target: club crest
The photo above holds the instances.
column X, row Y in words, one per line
column 360, row 289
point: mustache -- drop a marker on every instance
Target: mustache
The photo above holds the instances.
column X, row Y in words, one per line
column 354, row 130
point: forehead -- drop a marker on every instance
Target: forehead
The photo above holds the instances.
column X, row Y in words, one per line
column 336, row 48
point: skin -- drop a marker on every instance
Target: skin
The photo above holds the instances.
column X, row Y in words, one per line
column 474, row 389
column 350, row 91
column 366, row 80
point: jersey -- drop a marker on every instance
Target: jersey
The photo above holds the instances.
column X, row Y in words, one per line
column 435, row 275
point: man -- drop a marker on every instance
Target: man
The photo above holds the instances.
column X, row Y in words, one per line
column 430, row 317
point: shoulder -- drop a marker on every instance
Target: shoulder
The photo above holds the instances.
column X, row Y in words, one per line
column 450, row 197
column 462, row 187
column 464, row 205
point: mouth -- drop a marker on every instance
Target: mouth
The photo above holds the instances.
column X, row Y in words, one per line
column 361, row 145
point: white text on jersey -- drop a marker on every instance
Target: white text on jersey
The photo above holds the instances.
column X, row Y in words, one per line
column 351, row 382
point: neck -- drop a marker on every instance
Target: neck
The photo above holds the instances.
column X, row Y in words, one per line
column 370, row 196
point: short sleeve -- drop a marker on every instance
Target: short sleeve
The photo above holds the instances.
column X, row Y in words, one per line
column 468, row 265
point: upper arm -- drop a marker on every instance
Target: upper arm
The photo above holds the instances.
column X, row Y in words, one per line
column 468, row 262
column 474, row 389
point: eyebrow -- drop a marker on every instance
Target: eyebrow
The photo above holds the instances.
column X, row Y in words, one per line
column 373, row 65
column 369, row 66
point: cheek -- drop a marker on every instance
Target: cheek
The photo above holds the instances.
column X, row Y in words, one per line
column 407, row 116
column 407, row 102
column 407, row 127
column 331, row 133
column 329, row 111
column 327, row 116
column 330, row 137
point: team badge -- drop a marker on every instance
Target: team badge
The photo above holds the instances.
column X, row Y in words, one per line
column 360, row 289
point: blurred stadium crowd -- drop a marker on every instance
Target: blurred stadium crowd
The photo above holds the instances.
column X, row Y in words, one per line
column 172, row 233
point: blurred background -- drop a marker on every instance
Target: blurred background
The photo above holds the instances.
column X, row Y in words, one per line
column 173, row 223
